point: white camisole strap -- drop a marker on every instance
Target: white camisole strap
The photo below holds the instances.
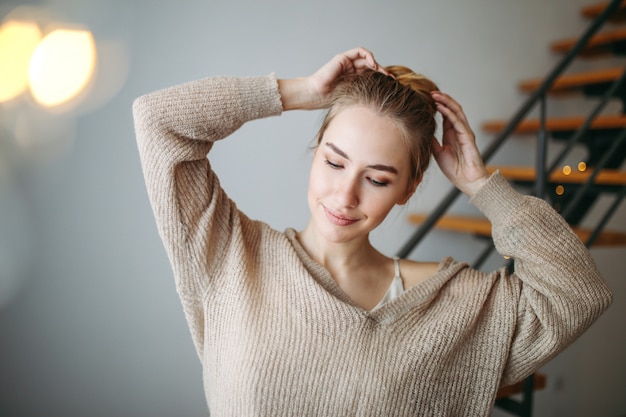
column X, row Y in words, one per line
column 395, row 288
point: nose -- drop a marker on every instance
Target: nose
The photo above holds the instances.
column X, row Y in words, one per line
column 347, row 192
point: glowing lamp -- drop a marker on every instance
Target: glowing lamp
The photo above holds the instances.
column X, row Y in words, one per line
column 18, row 40
column 61, row 66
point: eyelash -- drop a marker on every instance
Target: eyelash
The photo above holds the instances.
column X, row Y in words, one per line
column 333, row 165
column 372, row 181
column 378, row 183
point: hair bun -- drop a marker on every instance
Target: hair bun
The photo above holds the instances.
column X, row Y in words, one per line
column 416, row 82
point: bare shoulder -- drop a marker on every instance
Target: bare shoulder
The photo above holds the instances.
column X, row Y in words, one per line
column 413, row 272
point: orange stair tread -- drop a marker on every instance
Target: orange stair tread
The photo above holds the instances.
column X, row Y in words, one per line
column 481, row 226
column 573, row 81
column 558, row 124
column 457, row 223
column 605, row 177
column 594, row 10
column 604, row 38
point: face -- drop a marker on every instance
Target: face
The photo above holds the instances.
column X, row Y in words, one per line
column 360, row 171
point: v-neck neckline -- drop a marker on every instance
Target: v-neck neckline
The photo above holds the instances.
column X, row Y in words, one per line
column 420, row 294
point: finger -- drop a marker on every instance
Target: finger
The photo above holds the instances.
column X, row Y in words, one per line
column 449, row 116
column 445, row 99
column 362, row 58
column 455, row 132
column 449, row 103
column 456, row 119
column 361, row 53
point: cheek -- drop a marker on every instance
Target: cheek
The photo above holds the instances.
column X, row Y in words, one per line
column 380, row 210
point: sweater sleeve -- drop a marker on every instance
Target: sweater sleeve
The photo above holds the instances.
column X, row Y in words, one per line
column 175, row 129
column 562, row 293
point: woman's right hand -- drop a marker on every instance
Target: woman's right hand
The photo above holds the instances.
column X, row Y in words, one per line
column 313, row 92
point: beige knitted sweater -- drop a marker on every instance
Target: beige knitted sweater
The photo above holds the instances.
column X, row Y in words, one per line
column 275, row 334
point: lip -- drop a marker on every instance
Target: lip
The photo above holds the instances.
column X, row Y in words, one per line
column 337, row 218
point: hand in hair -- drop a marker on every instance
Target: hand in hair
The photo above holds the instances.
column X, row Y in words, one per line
column 313, row 92
column 457, row 155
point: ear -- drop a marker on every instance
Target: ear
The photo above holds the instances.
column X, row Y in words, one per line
column 410, row 191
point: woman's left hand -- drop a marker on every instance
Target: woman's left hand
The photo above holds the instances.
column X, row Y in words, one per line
column 457, row 155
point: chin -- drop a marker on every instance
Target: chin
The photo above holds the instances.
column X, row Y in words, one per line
column 341, row 234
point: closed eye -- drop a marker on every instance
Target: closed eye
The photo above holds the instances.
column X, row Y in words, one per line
column 378, row 183
column 332, row 164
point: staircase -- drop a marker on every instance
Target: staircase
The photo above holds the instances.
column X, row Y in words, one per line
column 572, row 190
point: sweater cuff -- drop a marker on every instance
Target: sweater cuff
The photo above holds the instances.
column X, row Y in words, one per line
column 497, row 199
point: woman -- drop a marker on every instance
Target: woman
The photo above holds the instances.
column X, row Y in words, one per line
column 317, row 321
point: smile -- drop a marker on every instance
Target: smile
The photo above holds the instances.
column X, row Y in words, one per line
column 338, row 219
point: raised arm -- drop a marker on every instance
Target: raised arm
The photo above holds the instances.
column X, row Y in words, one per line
column 176, row 128
column 562, row 293
column 561, row 290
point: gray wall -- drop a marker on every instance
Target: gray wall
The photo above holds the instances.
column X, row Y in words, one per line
column 90, row 324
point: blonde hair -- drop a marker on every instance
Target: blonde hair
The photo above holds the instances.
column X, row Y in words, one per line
column 404, row 98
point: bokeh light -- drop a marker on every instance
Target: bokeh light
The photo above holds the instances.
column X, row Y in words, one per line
column 62, row 66
column 559, row 190
column 567, row 170
column 51, row 72
column 18, row 40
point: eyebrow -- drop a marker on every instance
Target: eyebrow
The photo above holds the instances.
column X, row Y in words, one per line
column 378, row 167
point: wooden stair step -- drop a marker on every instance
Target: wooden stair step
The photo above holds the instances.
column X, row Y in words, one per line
column 562, row 124
column 598, row 44
column 527, row 174
column 482, row 227
column 594, row 10
column 574, row 81
column 457, row 223
column 508, row 391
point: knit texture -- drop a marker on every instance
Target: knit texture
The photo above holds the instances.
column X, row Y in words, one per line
column 275, row 334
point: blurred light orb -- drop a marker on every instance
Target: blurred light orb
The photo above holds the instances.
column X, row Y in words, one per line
column 567, row 170
column 18, row 40
column 560, row 190
column 61, row 66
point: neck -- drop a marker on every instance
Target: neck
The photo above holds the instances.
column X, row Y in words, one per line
column 360, row 271
column 338, row 257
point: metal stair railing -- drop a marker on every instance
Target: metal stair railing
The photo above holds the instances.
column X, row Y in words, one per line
column 578, row 196
column 538, row 95
column 607, row 216
column 584, row 128
column 580, row 193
